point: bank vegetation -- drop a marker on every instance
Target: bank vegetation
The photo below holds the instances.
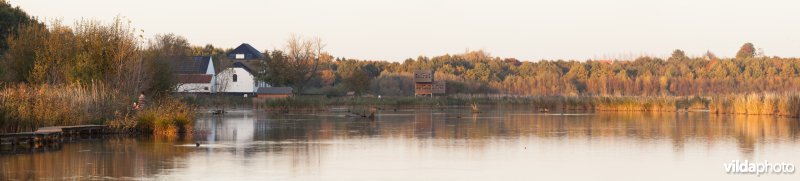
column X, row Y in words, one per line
column 86, row 73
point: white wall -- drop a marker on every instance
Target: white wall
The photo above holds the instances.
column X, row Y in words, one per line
column 195, row 87
column 210, row 70
column 244, row 84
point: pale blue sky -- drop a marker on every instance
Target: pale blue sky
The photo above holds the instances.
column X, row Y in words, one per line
column 395, row 30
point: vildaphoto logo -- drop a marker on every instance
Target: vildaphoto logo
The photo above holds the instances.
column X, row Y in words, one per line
column 758, row 168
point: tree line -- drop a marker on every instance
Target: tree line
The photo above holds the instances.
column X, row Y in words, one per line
column 477, row 72
column 114, row 53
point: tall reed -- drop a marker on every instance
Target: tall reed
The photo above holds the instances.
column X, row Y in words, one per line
column 26, row 107
column 785, row 104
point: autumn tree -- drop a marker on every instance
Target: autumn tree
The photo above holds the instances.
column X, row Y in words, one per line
column 481, row 72
column 327, row 78
column 297, row 64
column 746, row 51
column 88, row 52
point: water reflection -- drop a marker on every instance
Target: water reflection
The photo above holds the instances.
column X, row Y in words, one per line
column 110, row 157
column 423, row 144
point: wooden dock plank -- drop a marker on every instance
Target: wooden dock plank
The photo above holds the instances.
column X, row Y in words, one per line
column 52, row 131
column 49, row 135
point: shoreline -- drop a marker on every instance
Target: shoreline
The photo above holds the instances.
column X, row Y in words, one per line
column 783, row 105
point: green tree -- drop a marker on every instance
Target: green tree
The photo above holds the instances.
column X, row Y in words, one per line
column 160, row 55
column 677, row 55
column 19, row 60
column 11, row 18
column 354, row 77
column 275, row 69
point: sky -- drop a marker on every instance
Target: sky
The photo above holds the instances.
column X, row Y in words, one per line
column 396, row 30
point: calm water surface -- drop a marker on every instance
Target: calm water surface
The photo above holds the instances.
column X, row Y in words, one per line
column 503, row 143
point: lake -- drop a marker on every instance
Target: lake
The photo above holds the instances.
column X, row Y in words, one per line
column 502, row 143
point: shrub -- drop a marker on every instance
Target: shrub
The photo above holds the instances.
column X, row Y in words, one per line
column 168, row 116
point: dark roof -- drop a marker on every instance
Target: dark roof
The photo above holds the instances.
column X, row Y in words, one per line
column 191, row 65
column 274, row 90
column 246, row 49
column 193, row 78
column 423, row 76
column 242, row 65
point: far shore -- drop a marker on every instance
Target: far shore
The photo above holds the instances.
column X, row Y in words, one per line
column 749, row 104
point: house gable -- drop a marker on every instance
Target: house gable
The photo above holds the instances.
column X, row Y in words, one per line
column 236, row 80
column 210, row 69
column 244, row 52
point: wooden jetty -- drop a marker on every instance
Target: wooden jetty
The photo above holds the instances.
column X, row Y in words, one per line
column 53, row 134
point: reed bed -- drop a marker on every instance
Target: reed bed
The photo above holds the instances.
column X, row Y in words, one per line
column 26, row 108
column 554, row 103
column 654, row 104
column 786, row 104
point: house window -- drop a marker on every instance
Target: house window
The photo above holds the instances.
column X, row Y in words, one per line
column 239, row 56
column 235, row 78
column 205, row 88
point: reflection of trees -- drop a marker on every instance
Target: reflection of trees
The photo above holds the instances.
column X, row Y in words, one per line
column 306, row 140
column 116, row 157
column 477, row 130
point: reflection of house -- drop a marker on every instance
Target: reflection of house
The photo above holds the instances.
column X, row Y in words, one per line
column 194, row 74
column 274, row 92
column 235, row 126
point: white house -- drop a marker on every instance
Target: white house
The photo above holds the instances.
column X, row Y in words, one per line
column 195, row 74
column 240, row 78
column 237, row 79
